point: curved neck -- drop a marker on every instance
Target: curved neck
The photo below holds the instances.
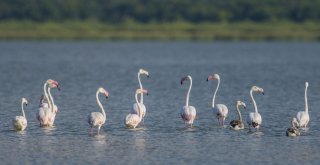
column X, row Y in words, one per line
column 100, row 105
column 254, row 102
column 139, row 105
column 239, row 113
column 140, row 84
column 187, row 100
column 215, row 92
column 22, row 109
column 46, row 95
column 306, row 100
column 50, row 97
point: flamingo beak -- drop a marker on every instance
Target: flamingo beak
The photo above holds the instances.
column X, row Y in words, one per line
column 148, row 76
column 58, row 86
column 26, row 104
column 262, row 93
column 245, row 107
column 207, row 79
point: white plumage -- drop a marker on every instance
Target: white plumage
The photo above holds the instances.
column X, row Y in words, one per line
column 20, row 122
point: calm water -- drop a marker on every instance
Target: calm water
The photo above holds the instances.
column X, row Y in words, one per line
column 81, row 67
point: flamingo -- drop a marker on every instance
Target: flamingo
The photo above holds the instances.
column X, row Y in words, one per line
column 20, row 122
column 188, row 113
column 133, row 120
column 135, row 108
column 97, row 119
column 303, row 116
column 220, row 110
column 238, row 124
column 293, row 131
column 254, row 118
column 45, row 109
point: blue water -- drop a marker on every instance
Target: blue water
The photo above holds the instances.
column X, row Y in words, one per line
column 280, row 68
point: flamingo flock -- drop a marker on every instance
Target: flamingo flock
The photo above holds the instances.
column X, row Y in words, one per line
column 48, row 109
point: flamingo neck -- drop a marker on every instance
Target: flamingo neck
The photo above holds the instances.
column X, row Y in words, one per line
column 22, row 109
column 188, row 95
column 46, row 95
column 140, row 84
column 215, row 92
column 51, row 98
column 239, row 113
column 306, row 100
column 100, row 105
column 139, row 105
column 254, row 102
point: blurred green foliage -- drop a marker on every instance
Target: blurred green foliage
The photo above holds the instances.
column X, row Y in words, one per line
column 161, row 11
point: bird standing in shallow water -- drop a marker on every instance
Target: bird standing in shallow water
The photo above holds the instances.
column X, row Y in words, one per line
column 97, row 119
column 20, row 122
column 188, row 113
column 238, row 124
column 133, row 120
column 220, row 110
column 254, row 119
column 303, row 116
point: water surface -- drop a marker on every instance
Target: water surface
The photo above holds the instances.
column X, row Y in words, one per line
column 81, row 67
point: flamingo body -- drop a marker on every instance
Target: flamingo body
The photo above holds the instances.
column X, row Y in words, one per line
column 132, row 120
column 96, row 119
column 221, row 112
column 303, row 118
column 254, row 120
column 236, row 125
column 188, row 114
column 19, row 123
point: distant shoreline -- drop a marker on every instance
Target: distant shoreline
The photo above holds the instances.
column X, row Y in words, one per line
column 95, row 30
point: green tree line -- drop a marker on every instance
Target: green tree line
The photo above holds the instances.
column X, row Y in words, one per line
column 144, row 11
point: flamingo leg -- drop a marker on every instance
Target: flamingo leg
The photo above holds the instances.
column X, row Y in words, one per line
column 99, row 130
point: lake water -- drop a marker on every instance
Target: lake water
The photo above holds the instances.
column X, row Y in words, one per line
column 81, row 67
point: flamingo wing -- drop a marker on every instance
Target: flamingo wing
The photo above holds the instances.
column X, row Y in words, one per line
column 95, row 119
column 19, row 123
column 221, row 110
column 303, row 118
column 132, row 120
column 188, row 114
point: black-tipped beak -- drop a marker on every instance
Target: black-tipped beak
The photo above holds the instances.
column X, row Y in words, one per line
column 26, row 104
column 107, row 97
column 147, row 94
column 148, row 76
column 262, row 93
column 207, row 80
column 244, row 107
column 181, row 82
column 59, row 89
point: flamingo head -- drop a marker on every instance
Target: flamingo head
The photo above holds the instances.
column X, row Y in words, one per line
column 240, row 103
column 213, row 77
column 307, row 84
column 184, row 79
column 257, row 89
column 142, row 91
column 24, row 101
column 53, row 84
column 103, row 91
column 145, row 72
